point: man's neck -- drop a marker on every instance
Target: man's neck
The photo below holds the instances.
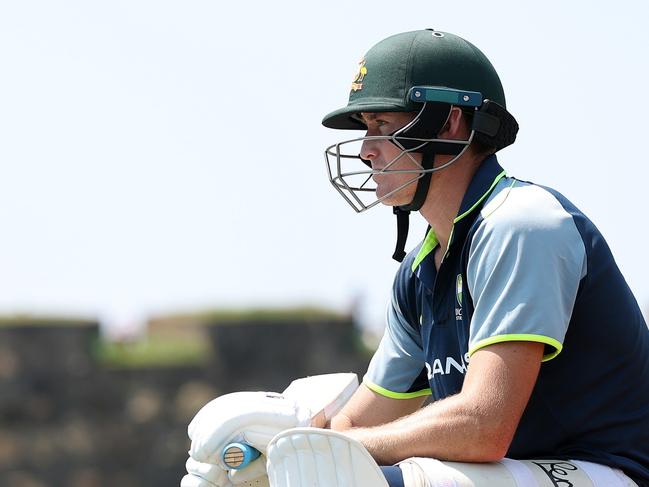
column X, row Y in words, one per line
column 447, row 189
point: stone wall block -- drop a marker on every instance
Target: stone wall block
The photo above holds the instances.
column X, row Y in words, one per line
column 268, row 355
column 67, row 420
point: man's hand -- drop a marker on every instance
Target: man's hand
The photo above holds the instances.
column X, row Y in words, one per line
column 208, row 475
column 204, row 475
column 248, row 417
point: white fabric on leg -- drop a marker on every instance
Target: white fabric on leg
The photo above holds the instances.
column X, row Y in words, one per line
column 314, row 457
column 455, row 474
column 428, row 472
column 415, row 476
column 521, row 473
column 603, row 476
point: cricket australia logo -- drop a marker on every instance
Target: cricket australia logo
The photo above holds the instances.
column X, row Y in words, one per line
column 458, row 297
column 357, row 84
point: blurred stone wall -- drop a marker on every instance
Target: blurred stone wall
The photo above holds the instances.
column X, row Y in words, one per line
column 66, row 420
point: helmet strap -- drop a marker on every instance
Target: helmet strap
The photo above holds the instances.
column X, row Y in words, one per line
column 403, row 212
column 403, row 224
column 429, row 123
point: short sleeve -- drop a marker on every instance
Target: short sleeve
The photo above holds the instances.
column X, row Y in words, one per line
column 526, row 261
column 397, row 369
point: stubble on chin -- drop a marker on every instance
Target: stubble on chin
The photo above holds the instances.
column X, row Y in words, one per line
column 400, row 198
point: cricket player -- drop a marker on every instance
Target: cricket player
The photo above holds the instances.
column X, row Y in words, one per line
column 511, row 316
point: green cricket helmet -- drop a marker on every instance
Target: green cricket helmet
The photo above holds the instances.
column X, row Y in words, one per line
column 426, row 72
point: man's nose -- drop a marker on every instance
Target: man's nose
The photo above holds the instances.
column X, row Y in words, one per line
column 368, row 152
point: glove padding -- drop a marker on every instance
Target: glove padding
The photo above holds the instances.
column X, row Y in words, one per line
column 253, row 418
column 209, row 475
column 204, row 475
column 316, row 457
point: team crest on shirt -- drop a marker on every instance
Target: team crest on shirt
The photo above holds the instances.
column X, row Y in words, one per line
column 357, row 84
column 458, row 297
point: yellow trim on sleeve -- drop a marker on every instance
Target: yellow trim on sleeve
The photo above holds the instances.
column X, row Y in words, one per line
column 556, row 344
column 396, row 395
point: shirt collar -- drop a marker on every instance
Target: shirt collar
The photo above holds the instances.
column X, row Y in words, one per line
column 482, row 184
column 484, row 181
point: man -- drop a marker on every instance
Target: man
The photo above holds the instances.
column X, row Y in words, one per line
column 511, row 314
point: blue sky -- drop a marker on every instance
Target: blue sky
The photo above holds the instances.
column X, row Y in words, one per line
column 163, row 156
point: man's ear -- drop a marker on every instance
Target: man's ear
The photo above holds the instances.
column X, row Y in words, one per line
column 455, row 127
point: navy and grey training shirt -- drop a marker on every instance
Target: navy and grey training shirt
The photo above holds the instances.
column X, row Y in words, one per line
column 524, row 264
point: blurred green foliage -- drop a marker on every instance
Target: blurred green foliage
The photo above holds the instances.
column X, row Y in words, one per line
column 42, row 320
column 152, row 352
column 175, row 339
column 256, row 315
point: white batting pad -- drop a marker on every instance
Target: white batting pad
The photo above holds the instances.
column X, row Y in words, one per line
column 314, row 457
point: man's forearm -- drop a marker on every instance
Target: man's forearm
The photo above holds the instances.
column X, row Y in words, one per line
column 455, row 429
column 476, row 425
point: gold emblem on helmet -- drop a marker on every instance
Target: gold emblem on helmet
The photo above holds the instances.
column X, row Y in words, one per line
column 357, row 84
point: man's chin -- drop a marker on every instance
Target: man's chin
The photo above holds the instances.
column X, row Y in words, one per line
column 394, row 200
column 399, row 198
